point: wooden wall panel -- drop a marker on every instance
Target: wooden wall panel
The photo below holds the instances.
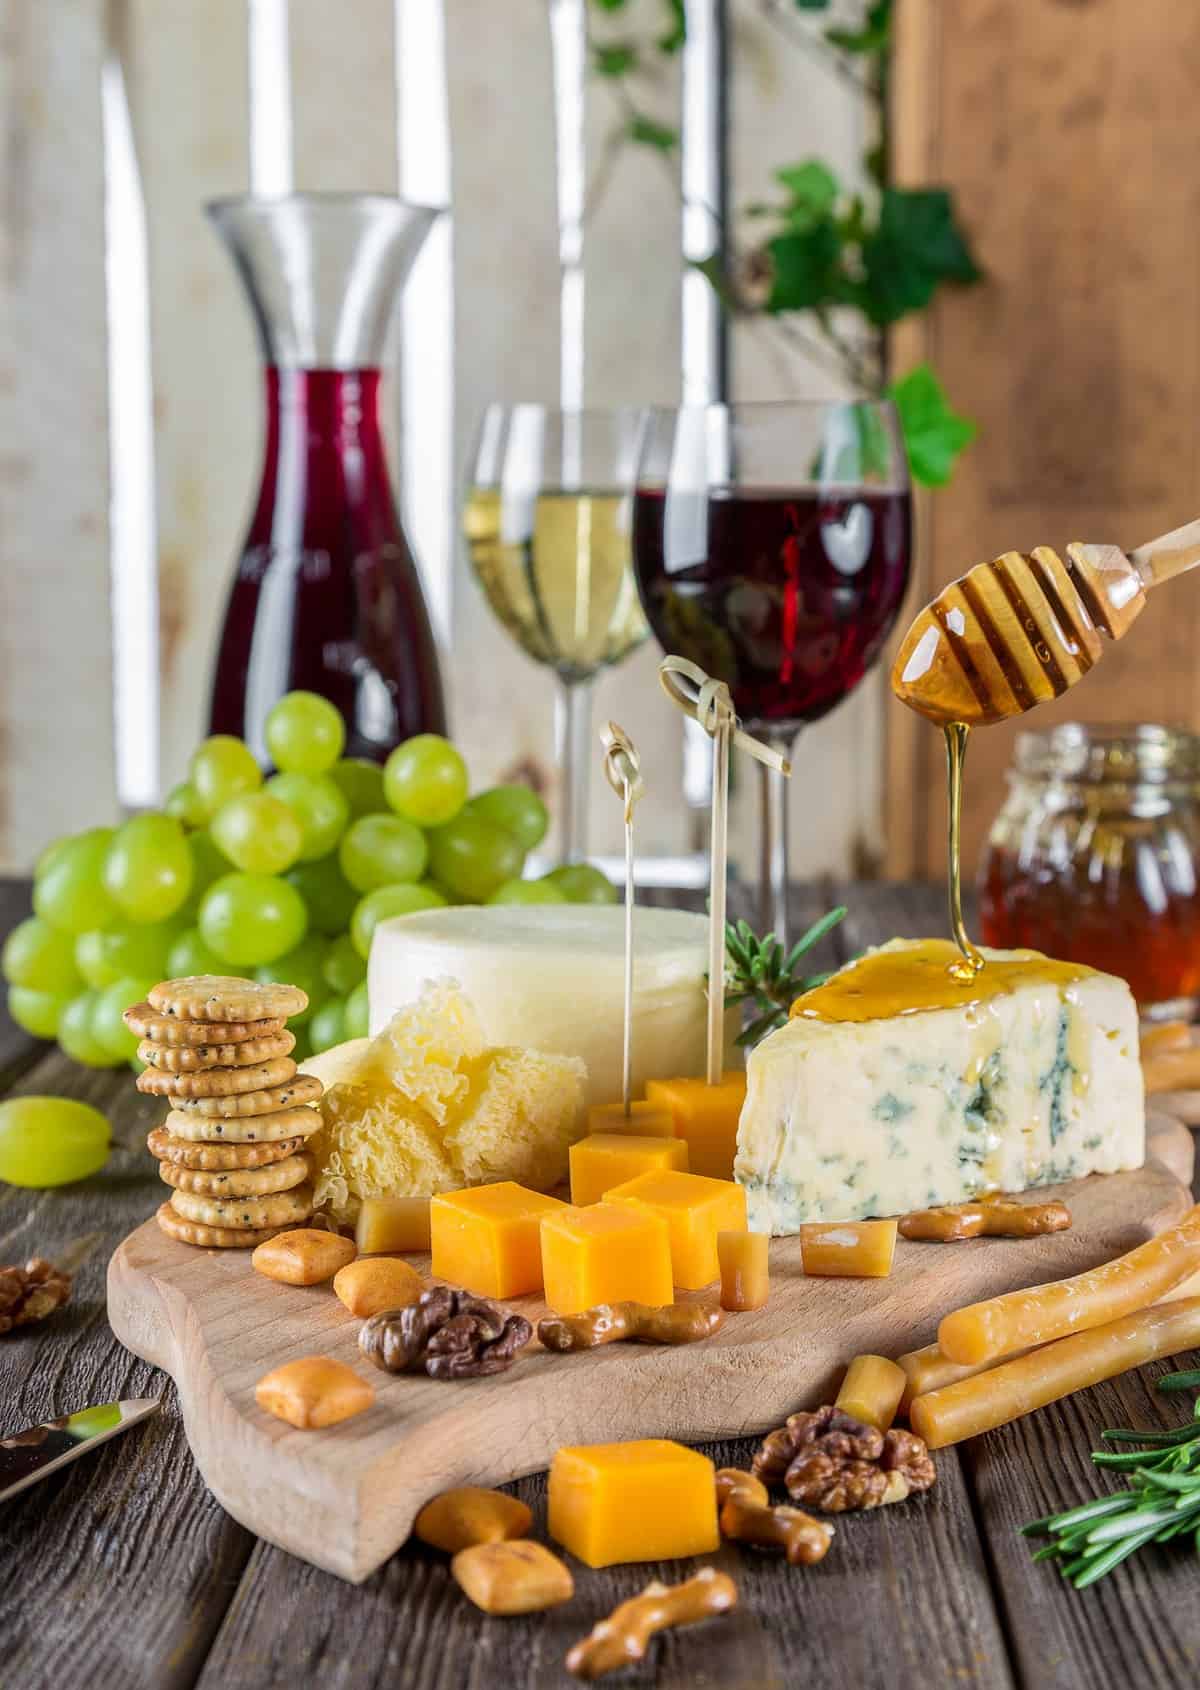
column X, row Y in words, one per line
column 189, row 105
column 56, row 728
column 1060, row 128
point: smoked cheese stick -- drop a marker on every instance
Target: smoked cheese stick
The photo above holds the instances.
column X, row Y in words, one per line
column 987, row 1331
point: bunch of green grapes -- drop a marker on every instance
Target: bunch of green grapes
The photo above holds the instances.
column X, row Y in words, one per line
column 282, row 879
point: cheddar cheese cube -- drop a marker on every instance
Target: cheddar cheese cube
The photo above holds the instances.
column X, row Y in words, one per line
column 706, row 1116
column 603, row 1160
column 651, row 1120
column 651, row 1500
column 695, row 1209
column 487, row 1238
column 605, row 1253
column 848, row 1249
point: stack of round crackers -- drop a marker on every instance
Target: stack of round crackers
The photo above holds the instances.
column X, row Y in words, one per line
column 232, row 1147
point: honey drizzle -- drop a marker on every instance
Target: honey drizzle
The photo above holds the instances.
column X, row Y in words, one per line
column 970, row 960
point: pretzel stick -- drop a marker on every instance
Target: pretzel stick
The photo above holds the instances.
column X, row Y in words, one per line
column 621, row 1639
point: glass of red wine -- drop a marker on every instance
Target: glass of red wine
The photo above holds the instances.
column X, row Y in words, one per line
column 771, row 546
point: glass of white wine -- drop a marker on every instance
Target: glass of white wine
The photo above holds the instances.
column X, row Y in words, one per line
column 547, row 524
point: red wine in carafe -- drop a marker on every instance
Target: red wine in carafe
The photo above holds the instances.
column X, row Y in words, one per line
column 786, row 596
column 326, row 594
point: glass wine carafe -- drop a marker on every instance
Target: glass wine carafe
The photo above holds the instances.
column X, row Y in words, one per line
column 326, row 594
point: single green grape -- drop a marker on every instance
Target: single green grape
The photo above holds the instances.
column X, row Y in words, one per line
column 50, row 854
column 343, row 968
column 221, row 767
column 360, row 784
column 357, row 1017
column 258, row 833
column 517, row 809
column 301, row 966
column 250, row 919
column 190, row 955
column 48, row 1141
column 473, row 857
column 107, row 1026
column 382, row 850
column 114, row 953
column 77, row 1036
column 443, row 892
column 328, row 896
column 305, row 733
column 528, row 892
column 425, row 780
column 148, row 870
column 69, row 892
column 328, row 1026
column 583, row 883
column 381, row 905
column 319, row 807
column 39, row 1013
column 41, row 957
column 184, row 804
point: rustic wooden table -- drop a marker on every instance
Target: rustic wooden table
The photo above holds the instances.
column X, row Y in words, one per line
column 122, row 1570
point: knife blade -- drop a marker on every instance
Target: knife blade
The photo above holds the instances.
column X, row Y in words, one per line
column 26, row 1457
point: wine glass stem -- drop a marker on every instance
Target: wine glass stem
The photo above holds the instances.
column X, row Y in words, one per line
column 773, row 872
column 573, row 747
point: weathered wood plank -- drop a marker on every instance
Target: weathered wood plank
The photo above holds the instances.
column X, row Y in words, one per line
column 1102, row 450
column 55, row 641
column 190, row 117
column 901, row 1601
column 118, row 1569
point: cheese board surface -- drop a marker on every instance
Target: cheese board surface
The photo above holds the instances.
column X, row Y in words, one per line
column 345, row 1497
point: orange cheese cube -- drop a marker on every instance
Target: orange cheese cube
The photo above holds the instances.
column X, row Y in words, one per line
column 849, row 1249
column 607, row 1253
column 606, row 1159
column 652, row 1500
column 651, row 1120
column 706, row 1116
column 695, row 1209
column 486, row 1239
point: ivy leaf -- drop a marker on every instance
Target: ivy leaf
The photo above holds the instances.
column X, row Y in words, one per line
column 812, row 5
column 813, row 190
column 676, row 33
column 934, row 434
column 804, row 267
column 614, row 59
column 611, row 5
column 915, row 245
column 647, row 133
column 873, row 37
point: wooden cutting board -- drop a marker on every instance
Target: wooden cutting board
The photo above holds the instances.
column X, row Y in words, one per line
column 345, row 1497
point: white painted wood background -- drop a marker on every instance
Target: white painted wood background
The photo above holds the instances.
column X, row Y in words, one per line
column 188, row 80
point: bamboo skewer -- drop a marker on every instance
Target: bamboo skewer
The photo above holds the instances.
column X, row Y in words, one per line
column 623, row 771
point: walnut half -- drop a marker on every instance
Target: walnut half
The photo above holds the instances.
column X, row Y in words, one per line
column 30, row 1293
column 829, row 1460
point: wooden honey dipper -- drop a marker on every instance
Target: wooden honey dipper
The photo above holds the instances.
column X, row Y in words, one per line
column 1021, row 629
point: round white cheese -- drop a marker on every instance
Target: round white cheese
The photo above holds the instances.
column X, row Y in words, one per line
column 551, row 977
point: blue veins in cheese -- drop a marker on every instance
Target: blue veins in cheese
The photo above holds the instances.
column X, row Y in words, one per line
column 895, row 1086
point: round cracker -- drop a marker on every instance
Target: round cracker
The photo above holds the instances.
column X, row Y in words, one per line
column 282, row 1208
column 238, row 1182
column 212, row 1237
column 299, row 1091
column 217, row 1158
column 217, row 1083
column 268, row 1128
column 225, row 997
column 144, row 1020
column 192, row 1059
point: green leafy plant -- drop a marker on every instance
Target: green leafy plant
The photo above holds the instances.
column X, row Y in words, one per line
column 1161, row 1502
column 761, row 972
column 827, row 254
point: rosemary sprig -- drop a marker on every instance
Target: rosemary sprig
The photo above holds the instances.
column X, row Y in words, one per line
column 1160, row 1502
column 760, row 970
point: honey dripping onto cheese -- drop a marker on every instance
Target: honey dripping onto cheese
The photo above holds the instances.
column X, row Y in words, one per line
column 969, row 961
column 919, row 976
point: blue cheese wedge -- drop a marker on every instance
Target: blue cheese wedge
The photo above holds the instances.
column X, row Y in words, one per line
column 896, row 1086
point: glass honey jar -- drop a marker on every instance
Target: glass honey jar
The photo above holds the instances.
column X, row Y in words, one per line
column 1094, row 857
